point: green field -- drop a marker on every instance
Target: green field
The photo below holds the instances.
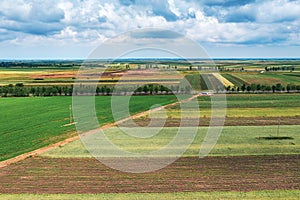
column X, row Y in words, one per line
column 249, row 105
column 253, row 101
column 267, row 78
column 234, row 79
column 31, row 123
column 234, row 141
column 24, row 125
column 264, row 195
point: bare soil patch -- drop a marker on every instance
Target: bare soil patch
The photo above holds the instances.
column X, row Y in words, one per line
column 87, row 175
column 229, row 121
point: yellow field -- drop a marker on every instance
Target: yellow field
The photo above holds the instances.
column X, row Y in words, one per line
column 223, row 80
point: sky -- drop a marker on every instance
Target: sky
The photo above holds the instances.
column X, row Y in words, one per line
column 73, row 29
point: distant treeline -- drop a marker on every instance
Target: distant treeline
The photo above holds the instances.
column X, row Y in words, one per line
column 264, row 88
column 19, row 90
column 282, row 68
column 39, row 64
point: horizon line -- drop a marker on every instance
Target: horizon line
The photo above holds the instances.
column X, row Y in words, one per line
column 147, row 58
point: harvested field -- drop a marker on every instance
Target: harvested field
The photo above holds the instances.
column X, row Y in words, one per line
column 223, row 80
column 86, row 175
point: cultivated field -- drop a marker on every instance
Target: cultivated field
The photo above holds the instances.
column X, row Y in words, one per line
column 234, row 141
column 256, row 155
column 31, row 123
column 270, row 78
column 87, row 175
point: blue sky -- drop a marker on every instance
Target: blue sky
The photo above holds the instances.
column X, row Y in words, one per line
column 66, row 29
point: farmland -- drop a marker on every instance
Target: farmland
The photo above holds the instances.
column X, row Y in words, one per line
column 89, row 176
column 27, row 128
column 234, row 141
column 263, row 194
column 256, row 155
column 250, row 109
column 269, row 78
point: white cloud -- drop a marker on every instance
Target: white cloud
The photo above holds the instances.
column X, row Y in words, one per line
column 278, row 11
column 93, row 21
column 15, row 10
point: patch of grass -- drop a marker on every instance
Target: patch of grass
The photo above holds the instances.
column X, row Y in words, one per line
column 235, row 112
column 268, row 78
column 31, row 123
column 255, row 101
column 264, row 195
column 196, row 81
column 234, row 79
column 234, row 141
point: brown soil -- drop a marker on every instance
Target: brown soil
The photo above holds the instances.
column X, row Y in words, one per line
column 132, row 74
column 87, row 175
column 229, row 121
column 54, row 75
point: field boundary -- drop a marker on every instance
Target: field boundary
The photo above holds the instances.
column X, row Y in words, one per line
column 71, row 139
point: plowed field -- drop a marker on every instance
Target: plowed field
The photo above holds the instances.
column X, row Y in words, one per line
column 86, row 175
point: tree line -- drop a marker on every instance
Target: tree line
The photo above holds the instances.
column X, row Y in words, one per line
column 19, row 90
column 282, row 68
column 264, row 88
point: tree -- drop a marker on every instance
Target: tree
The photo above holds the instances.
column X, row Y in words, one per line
column 103, row 89
column 145, row 89
column 139, row 90
column 162, row 89
column 228, row 88
column 278, row 87
column 156, row 89
column 243, row 87
column 54, row 91
column 98, row 90
column 32, row 91
column 273, row 88
column 65, row 90
column 108, row 91
column 253, row 87
column 70, row 91
column 151, row 89
column 258, row 87
column 248, row 88
column 19, row 85
column 59, row 90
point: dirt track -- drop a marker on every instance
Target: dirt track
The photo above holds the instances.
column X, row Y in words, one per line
column 87, row 175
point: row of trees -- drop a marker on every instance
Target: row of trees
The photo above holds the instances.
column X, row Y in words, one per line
column 282, row 68
column 264, row 88
column 19, row 90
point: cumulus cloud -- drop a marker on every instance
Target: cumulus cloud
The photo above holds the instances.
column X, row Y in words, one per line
column 268, row 11
column 232, row 22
